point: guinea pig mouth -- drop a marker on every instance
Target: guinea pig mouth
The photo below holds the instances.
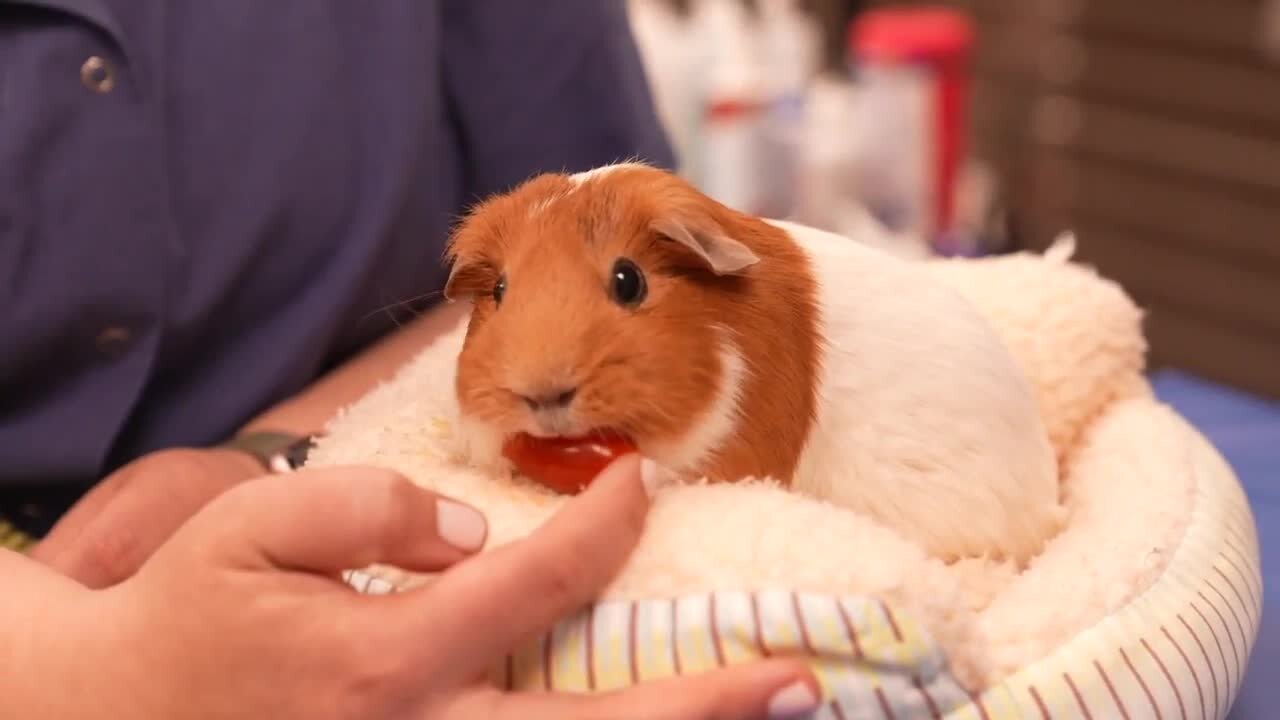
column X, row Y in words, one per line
column 562, row 423
column 599, row 434
column 552, row 423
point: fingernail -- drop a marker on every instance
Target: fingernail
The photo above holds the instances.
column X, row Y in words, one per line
column 650, row 475
column 459, row 525
column 793, row 701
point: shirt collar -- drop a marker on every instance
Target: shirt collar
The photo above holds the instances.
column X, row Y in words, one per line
column 95, row 12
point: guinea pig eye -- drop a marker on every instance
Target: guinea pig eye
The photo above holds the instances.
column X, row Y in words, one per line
column 627, row 283
column 499, row 289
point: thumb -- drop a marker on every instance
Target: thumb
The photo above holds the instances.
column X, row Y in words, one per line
column 331, row 519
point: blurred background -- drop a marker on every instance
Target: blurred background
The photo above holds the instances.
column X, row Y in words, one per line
column 1148, row 128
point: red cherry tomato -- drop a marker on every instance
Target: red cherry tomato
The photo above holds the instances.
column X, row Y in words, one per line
column 566, row 465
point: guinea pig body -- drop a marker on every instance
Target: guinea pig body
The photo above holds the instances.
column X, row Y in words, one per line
column 924, row 420
column 726, row 346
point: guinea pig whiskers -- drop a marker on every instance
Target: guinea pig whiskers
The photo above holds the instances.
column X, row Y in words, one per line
column 649, row 411
column 401, row 304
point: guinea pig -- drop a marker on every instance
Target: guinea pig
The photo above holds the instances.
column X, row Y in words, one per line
column 726, row 346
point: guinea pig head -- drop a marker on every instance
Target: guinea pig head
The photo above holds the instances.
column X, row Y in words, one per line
column 603, row 302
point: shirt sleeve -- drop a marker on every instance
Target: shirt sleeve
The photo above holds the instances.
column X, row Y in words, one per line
column 540, row 86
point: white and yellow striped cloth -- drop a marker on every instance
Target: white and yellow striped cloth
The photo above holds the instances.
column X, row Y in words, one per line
column 14, row 539
column 870, row 661
column 1177, row 652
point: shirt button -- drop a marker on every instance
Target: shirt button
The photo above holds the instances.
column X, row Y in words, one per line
column 112, row 341
column 98, row 75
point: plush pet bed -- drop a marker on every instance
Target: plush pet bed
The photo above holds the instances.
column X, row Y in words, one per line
column 1146, row 605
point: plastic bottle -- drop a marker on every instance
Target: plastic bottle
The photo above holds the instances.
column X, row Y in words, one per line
column 734, row 97
column 911, row 70
column 667, row 44
column 788, row 42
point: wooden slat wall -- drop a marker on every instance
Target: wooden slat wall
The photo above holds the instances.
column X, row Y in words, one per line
column 1151, row 128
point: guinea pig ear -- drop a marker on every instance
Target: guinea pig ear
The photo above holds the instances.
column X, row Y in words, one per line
column 708, row 241
column 468, row 279
column 471, row 251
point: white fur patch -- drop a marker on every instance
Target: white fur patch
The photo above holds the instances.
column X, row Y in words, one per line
column 718, row 421
column 578, row 179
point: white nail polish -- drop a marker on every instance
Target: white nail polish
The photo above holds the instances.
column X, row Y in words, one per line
column 459, row 525
column 793, row 701
column 650, row 475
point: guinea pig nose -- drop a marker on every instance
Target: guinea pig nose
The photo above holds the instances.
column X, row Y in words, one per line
column 553, row 399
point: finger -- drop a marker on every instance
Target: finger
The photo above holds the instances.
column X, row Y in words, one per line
column 480, row 609
column 69, row 528
column 30, row 583
column 772, row 689
column 137, row 515
column 332, row 519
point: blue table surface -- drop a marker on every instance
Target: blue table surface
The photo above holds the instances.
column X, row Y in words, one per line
column 1246, row 430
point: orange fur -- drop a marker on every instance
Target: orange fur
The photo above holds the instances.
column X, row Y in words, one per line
column 648, row 371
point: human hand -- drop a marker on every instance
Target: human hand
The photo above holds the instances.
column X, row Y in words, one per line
column 242, row 612
column 114, row 528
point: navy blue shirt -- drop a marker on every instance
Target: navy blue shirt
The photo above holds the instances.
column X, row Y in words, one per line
column 205, row 204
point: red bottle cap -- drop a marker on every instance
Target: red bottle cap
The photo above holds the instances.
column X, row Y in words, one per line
column 906, row 34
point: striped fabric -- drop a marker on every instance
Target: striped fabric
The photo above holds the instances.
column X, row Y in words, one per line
column 1179, row 650
column 1176, row 652
column 870, row 661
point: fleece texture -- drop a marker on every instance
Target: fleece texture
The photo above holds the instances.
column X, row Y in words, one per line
column 1078, row 337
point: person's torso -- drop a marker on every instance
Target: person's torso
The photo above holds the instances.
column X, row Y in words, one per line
column 202, row 206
